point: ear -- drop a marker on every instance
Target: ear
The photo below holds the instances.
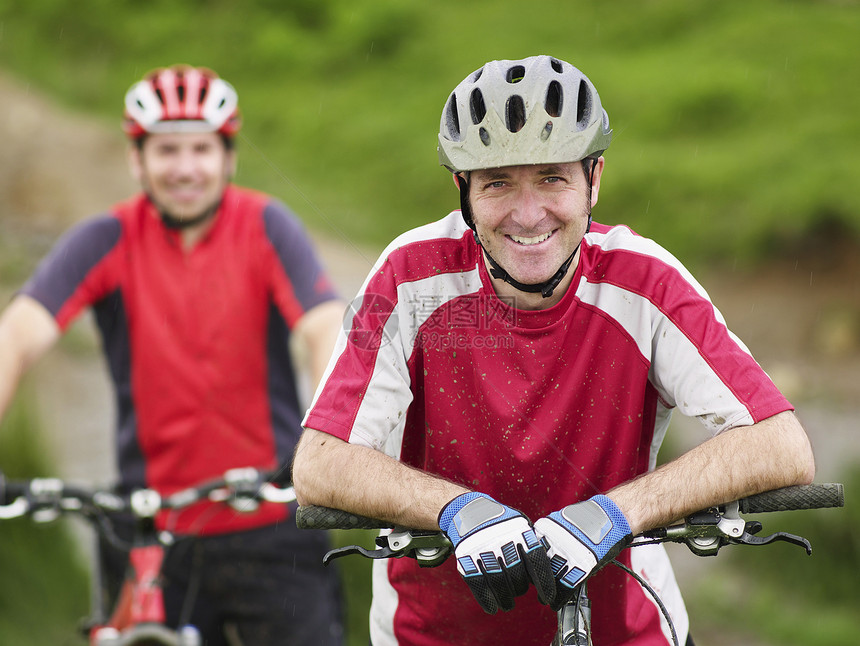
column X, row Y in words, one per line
column 135, row 162
column 595, row 180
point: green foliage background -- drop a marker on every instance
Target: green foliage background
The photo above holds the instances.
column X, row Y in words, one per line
column 43, row 589
column 735, row 123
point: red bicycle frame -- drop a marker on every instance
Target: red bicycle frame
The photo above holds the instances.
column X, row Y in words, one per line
column 141, row 599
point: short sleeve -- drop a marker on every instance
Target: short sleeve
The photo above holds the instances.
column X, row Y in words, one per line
column 72, row 277
column 307, row 282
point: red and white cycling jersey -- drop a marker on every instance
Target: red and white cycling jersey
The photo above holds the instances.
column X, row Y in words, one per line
column 197, row 341
column 538, row 409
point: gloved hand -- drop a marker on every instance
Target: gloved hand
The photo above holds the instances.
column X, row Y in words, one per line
column 581, row 539
column 497, row 551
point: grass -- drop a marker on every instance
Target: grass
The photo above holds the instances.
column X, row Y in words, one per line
column 44, row 593
column 735, row 141
column 355, row 573
column 735, row 126
column 780, row 594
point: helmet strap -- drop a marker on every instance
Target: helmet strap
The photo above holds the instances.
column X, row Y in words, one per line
column 547, row 287
column 465, row 209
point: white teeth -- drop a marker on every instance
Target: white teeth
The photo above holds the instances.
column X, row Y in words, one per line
column 528, row 241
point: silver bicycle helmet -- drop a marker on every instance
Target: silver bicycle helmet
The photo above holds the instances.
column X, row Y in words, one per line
column 538, row 110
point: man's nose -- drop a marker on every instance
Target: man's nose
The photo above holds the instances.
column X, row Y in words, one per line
column 185, row 163
column 529, row 208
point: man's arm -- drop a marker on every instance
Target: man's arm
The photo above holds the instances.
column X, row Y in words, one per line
column 330, row 472
column 584, row 536
column 497, row 551
column 742, row 461
column 27, row 330
column 316, row 333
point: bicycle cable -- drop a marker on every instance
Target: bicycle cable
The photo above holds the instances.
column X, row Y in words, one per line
column 578, row 617
column 108, row 531
column 190, row 598
column 654, row 595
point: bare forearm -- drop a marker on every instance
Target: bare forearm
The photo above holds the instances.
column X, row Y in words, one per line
column 27, row 330
column 11, row 368
column 9, row 377
column 771, row 454
column 318, row 330
column 330, row 472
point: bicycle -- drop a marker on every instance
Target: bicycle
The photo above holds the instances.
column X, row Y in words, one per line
column 138, row 617
column 704, row 532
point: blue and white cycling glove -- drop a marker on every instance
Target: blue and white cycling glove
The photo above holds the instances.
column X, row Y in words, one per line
column 497, row 551
column 582, row 538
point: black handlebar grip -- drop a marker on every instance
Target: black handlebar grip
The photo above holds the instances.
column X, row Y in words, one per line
column 312, row 517
column 813, row 496
column 11, row 489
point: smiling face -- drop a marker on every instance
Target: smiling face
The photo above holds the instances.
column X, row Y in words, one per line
column 184, row 174
column 530, row 219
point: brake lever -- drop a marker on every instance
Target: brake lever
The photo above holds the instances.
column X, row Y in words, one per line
column 381, row 553
column 428, row 548
column 753, row 527
column 749, row 538
column 707, row 531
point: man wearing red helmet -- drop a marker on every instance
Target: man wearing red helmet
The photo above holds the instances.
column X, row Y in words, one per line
column 197, row 286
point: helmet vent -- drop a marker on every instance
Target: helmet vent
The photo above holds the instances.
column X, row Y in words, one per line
column 476, row 103
column 169, row 99
column 515, row 113
column 515, row 74
column 452, row 119
column 547, row 130
column 484, row 135
column 556, row 65
column 583, row 106
column 554, row 99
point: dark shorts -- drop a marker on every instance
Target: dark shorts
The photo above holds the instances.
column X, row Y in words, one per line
column 268, row 586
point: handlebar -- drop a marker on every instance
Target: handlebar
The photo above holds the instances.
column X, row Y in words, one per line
column 45, row 498
column 704, row 532
column 812, row 496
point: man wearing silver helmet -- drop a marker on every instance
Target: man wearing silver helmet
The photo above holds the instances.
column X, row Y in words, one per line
column 508, row 378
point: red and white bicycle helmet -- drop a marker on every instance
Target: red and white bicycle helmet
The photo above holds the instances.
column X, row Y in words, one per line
column 181, row 98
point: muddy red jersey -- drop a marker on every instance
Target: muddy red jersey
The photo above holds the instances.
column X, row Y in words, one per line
column 539, row 409
column 197, row 341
